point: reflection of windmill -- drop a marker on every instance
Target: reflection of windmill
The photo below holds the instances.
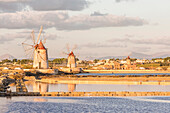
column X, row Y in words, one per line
column 71, row 63
column 38, row 51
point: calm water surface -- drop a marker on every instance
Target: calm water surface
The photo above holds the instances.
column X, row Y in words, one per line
column 43, row 87
column 85, row 105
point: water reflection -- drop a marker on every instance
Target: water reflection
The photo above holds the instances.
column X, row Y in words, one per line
column 40, row 87
column 40, row 100
column 71, row 87
column 44, row 87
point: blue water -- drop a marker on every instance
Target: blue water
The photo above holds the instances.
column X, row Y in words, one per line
column 124, row 74
column 85, row 105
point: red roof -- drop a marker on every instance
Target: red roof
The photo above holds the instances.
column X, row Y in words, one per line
column 71, row 54
column 40, row 45
column 128, row 57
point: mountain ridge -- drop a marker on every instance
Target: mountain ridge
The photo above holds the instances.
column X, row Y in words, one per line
column 140, row 55
column 6, row 56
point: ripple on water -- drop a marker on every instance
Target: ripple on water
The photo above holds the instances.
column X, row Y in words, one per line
column 90, row 104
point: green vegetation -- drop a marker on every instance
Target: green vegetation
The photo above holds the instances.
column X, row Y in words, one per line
column 133, row 59
column 156, row 59
column 165, row 64
column 167, row 59
column 60, row 60
column 27, row 66
column 96, row 60
column 14, row 60
column 25, row 61
column 6, row 61
column 150, row 65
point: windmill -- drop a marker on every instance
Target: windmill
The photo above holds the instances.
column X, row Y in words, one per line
column 71, row 63
column 38, row 51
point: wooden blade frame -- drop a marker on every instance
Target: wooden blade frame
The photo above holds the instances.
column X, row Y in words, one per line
column 39, row 34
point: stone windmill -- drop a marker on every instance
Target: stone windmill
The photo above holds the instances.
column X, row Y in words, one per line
column 39, row 52
column 71, row 63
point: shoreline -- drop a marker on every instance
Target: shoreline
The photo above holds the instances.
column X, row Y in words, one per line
column 125, row 71
column 86, row 94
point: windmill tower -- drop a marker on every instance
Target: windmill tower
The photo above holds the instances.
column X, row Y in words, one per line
column 40, row 55
column 128, row 60
column 71, row 61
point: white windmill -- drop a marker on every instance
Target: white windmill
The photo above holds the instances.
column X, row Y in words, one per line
column 71, row 63
column 37, row 51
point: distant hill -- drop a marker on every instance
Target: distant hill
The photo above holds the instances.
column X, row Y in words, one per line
column 89, row 58
column 161, row 55
column 6, row 56
column 111, row 57
column 140, row 56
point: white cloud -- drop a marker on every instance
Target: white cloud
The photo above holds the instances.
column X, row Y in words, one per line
column 102, row 45
column 123, row 0
column 42, row 5
column 62, row 20
column 150, row 41
column 24, row 35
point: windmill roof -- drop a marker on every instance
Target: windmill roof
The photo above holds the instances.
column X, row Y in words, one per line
column 71, row 54
column 40, row 45
column 128, row 57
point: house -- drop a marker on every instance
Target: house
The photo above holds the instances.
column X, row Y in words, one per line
column 129, row 65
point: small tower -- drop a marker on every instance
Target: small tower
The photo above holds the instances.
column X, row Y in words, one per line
column 40, row 57
column 71, row 60
column 128, row 61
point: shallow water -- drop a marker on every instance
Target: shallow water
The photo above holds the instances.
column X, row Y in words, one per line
column 123, row 74
column 85, row 105
column 43, row 87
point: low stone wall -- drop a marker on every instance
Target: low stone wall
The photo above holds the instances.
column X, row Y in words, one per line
column 87, row 94
column 104, row 94
column 2, row 94
column 49, row 71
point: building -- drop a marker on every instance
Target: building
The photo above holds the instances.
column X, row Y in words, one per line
column 40, row 60
column 158, row 60
column 112, row 65
column 71, row 60
column 129, row 65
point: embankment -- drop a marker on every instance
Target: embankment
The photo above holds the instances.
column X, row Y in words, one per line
column 87, row 94
column 125, row 71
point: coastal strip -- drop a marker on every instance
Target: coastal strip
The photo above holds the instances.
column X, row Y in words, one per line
column 86, row 94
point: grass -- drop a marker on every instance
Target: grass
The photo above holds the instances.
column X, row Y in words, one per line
column 154, row 65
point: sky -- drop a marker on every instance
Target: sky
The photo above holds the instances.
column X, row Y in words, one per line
column 97, row 28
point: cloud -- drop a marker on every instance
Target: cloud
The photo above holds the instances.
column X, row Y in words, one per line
column 152, row 41
column 142, row 49
column 26, row 36
column 123, row 0
column 62, row 20
column 97, row 14
column 102, row 45
column 42, row 5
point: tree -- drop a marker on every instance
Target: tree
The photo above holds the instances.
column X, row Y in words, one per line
column 6, row 61
column 96, row 60
column 14, row 60
column 25, row 61
column 60, row 60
